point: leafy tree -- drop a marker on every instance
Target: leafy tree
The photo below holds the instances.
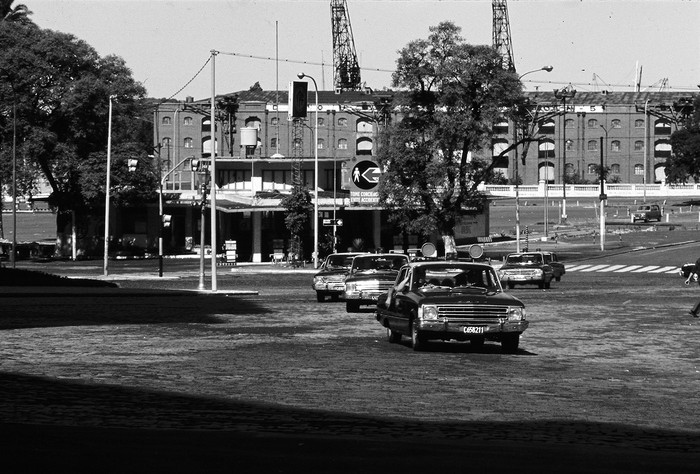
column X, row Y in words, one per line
column 60, row 89
column 19, row 14
column 685, row 142
column 299, row 208
column 454, row 93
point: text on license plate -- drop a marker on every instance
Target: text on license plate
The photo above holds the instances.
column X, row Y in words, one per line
column 474, row 330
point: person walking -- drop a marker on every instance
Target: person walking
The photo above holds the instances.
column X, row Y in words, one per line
column 694, row 271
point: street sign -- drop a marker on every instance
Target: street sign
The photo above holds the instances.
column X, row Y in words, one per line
column 332, row 222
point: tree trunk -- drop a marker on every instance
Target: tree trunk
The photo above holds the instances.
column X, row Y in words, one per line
column 450, row 246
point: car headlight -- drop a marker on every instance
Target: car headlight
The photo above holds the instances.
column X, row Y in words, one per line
column 538, row 272
column 516, row 313
column 350, row 287
column 428, row 312
column 319, row 279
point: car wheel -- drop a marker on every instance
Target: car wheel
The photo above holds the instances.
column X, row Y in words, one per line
column 547, row 284
column 417, row 341
column 541, row 285
column 510, row 342
column 393, row 336
column 352, row 307
column 558, row 278
column 511, row 285
column 320, row 297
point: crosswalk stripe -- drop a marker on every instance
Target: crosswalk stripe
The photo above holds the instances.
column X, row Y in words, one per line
column 665, row 270
column 628, row 268
column 612, row 268
column 594, row 268
column 577, row 268
column 645, row 269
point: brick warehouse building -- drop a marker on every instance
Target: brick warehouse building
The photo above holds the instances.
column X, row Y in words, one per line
column 252, row 180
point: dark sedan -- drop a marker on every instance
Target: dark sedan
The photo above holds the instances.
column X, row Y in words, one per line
column 370, row 276
column 447, row 300
column 330, row 280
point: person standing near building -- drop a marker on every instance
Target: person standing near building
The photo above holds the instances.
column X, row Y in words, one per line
column 694, row 271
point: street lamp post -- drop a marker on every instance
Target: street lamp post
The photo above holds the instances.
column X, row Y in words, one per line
column 517, row 174
column 107, row 185
column 562, row 94
column 301, row 75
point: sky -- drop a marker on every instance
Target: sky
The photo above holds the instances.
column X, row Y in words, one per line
column 592, row 44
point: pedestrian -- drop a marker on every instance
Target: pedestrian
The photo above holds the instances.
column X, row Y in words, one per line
column 694, row 271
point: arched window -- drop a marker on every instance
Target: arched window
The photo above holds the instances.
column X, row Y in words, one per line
column 364, row 146
column 662, row 127
column 321, row 144
column 206, row 146
column 166, row 142
column 638, row 170
column 547, row 127
column 274, row 121
column 188, row 142
column 662, row 149
column 321, row 122
column 569, row 145
column 167, row 121
column 616, row 123
column 498, row 146
column 592, row 123
column 273, row 143
column 570, row 171
column 615, row 145
column 615, row 168
column 639, row 145
column 206, row 124
column 342, row 122
column 363, row 126
column 639, row 123
column 546, row 171
column 297, row 144
column 592, row 145
column 545, row 149
column 592, row 169
column 569, row 123
column 501, row 126
column 253, row 122
column 187, row 121
column 342, row 144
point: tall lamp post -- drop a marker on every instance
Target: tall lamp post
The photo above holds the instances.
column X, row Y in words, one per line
column 517, row 175
column 301, row 75
column 562, row 94
column 107, row 185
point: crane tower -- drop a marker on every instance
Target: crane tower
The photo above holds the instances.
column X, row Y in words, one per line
column 346, row 69
column 501, row 34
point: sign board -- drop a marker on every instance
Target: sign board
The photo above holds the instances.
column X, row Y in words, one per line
column 469, row 227
column 332, row 222
column 364, row 178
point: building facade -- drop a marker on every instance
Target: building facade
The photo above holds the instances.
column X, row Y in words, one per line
column 633, row 130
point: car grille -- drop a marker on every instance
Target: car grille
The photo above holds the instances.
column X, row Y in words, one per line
column 374, row 285
column 519, row 271
column 482, row 312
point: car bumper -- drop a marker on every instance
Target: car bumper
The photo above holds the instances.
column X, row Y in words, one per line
column 521, row 279
column 460, row 330
column 330, row 288
column 364, row 296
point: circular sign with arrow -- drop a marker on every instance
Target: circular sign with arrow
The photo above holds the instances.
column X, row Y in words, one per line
column 365, row 175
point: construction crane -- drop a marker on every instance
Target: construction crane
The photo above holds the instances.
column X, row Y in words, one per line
column 501, row 34
column 346, row 69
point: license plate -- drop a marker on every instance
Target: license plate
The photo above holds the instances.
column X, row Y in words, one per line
column 473, row 330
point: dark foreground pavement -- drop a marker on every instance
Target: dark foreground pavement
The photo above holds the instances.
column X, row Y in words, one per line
column 62, row 426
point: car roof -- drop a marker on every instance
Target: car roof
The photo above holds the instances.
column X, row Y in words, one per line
column 442, row 263
column 387, row 255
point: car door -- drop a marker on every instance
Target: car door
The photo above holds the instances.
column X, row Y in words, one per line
column 397, row 300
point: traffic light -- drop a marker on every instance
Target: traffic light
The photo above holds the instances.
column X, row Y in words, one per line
column 133, row 164
column 195, row 164
column 298, row 98
column 166, row 220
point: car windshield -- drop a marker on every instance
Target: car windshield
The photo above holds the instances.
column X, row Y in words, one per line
column 379, row 263
column 456, row 277
column 339, row 261
column 524, row 259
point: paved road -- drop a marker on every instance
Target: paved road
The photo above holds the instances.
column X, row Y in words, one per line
column 606, row 380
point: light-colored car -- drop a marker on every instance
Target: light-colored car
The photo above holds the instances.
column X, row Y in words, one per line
column 330, row 280
column 526, row 268
column 646, row 213
column 371, row 275
column 451, row 300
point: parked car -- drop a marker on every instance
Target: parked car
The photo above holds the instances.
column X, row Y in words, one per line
column 646, row 213
column 370, row 276
column 451, row 300
column 330, row 280
column 558, row 268
column 526, row 269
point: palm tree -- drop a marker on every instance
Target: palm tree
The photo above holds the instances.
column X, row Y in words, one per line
column 19, row 14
